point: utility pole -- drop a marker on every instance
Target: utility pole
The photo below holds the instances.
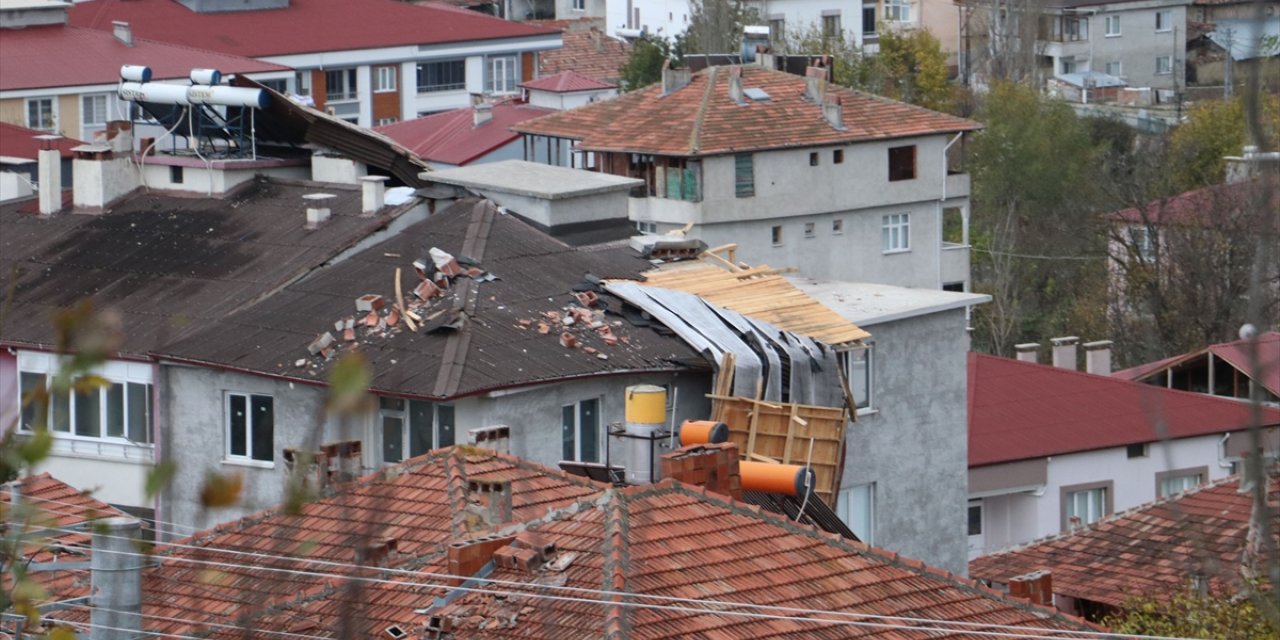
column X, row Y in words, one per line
column 1229, row 77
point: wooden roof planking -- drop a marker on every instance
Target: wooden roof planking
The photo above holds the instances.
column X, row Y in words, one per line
column 759, row 292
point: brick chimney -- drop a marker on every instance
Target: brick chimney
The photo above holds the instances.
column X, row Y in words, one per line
column 49, row 174
column 714, row 466
column 1028, row 352
column 833, row 111
column 101, row 173
column 491, row 500
column 1097, row 357
column 1064, row 352
column 373, row 191
column 1035, row 587
column 674, row 79
column 468, row 557
column 481, row 114
column 317, row 208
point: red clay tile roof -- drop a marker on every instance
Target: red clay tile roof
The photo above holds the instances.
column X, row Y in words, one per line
column 588, row 51
column 452, row 138
column 20, row 142
column 65, row 56
column 700, row 119
column 1152, row 550
column 662, row 540
column 1236, row 353
column 306, row 26
column 567, row 82
column 1214, row 205
column 1019, row 410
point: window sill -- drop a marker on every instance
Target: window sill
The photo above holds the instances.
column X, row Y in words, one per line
column 245, row 462
column 868, row 411
column 1112, row 35
column 427, row 92
column 386, row 91
column 891, row 252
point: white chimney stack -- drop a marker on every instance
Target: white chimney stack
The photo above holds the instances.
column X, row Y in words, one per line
column 833, row 111
column 1097, row 357
column 735, row 85
column 373, row 191
column 123, row 32
column 1064, row 352
column 116, row 576
column 49, row 174
column 815, row 84
column 317, row 208
column 675, row 79
column 481, row 113
column 1028, row 352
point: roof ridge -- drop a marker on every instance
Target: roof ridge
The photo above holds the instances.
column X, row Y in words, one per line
column 455, row 488
column 695, row 134
column 617, row 558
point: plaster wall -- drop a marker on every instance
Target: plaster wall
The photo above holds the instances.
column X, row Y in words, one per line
column 1136, row 47
column 913, row 444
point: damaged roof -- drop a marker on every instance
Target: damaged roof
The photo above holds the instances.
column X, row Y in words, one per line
column 171, row 265
column 452, row 137
column 1237, row 353
column 701, row 119
column 502, row 328
column 1151, row 551
column 661, row 540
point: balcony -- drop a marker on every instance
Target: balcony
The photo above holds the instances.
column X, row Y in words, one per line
column 957, row 185
column 954, row 262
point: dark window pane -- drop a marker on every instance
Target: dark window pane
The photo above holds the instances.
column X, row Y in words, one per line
column 89, row 413
column 60, row 411
column 392, row 439
column 744, row 178
column 975, row 520
column 902, row 163
column 263, row 428
column 567, row 426
column 115, row 410
column 421, row 419
column 391, row 404
column 589, row 429
column 31, row 411
column 140, row 412
column 238, row 419
column 444, row 418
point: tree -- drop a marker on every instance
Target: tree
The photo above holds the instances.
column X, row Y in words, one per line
column 1038, row 248
column 1190, row 614
column 715, row 26
column 1215, row 129
column 644, row 66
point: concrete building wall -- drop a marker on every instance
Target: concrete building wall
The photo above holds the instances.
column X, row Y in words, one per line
column 569, row 9
column 804, row 16
column 195, row 439
column 1136, row 47
column 913, row 443
column 1011, row 520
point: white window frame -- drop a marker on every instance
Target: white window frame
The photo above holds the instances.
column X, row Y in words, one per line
column 1068, row 64
column 350, row 85
column 837, row 226
column 897, row 10
column 1094, row 503
column 384, row 80
column 895, row 232
column 579, row 5
column 859, row 372
column 444, row 426
column 382, row 122
column 1167, row 63
column 647, row 228
column 1164, row 21
column 577, row 429
column 105, row 99
column 247, row 458
column 1173, row 483
column 832, row 25
column 1118, row 68
column 119, row 373
column 52, row 113
column 498, row 67
column 855, row 501
column 1112, row 27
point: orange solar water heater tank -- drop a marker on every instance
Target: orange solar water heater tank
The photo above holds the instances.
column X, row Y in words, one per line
column 789, row 479
column 703, row 432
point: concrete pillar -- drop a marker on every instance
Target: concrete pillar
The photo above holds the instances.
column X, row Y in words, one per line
column 1028, row 351
column 116, row 576
column 1064, row 352
column 1097, row 357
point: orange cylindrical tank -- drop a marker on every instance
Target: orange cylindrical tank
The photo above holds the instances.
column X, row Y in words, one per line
column 789, row 479
column 703, row 432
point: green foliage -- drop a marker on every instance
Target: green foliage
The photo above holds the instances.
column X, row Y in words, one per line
column 1190, row 614
column 644, row 66
column 1215, row 129
column 1033, row 220
column 715, row 26
column 910, row 65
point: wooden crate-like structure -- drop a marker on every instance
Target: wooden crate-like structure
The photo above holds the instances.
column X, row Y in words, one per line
column 779, row 432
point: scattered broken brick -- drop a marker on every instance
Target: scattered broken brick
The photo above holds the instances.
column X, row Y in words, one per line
column 475, row 272
column 602, row 356
column 349, row 335
column 587, row 298
column 420, row 267
column 589, row 350
column 568, row 341
column 526, row 323
column 394, row 317
column 445, row 263
column 544, row 328
column 321, row 342
column 426, row 290
column 369, row 302
column 371, row 320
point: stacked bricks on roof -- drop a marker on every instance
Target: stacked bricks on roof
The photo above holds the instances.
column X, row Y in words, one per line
column 466, row 557
column 1035, row 587
column 714, row 466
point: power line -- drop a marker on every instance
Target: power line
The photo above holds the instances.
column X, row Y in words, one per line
column 957, row 626
column 216, row 625
column 1037, row 257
